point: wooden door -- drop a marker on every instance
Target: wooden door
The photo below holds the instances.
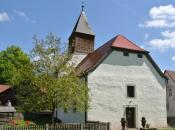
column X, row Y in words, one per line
column 130, row 117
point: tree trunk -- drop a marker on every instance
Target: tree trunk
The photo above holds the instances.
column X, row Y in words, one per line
column 53, row 112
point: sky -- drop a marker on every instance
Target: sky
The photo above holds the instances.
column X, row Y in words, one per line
column 148, row 23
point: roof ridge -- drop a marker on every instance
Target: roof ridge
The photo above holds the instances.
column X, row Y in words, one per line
column 130, row 41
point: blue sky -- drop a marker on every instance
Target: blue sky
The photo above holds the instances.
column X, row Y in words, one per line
column 148, row 23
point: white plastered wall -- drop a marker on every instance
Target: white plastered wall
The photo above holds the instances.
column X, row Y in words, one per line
column 107, row 84
column 77, row 58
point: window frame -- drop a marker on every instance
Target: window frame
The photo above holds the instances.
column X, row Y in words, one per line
column 170, row 92
column 140, row 56
column 125, row 53
column 134, row 87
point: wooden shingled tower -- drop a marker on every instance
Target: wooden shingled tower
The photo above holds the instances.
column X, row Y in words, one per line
column 82, row 38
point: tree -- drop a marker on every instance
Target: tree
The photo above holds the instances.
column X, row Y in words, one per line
column 11, row 61
column 50, row 81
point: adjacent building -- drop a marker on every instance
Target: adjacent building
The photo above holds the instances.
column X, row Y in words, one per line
column 170, row 96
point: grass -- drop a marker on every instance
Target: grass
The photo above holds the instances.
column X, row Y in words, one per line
column 166, row 129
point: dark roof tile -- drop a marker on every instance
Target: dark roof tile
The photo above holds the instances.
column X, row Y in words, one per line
column 82, row 25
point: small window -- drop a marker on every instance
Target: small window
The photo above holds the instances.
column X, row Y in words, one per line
column 125, row 53
column 140, row 56
column 130, row 91
column 170, row 92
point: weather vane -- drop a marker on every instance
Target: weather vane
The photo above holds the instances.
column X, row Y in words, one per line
column 82, row 4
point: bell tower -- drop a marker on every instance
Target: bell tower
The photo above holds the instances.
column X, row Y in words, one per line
column 81, row 41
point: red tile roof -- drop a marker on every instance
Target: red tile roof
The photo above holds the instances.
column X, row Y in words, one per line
column 123, row 43
column 170, row 74
column 3, row 88
column 118, row 42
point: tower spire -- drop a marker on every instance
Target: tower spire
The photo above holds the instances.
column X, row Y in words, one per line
column 81, row 40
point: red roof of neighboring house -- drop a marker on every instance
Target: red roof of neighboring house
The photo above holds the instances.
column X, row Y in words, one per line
column 118, row 42
column 170, row 74
column 3, row 88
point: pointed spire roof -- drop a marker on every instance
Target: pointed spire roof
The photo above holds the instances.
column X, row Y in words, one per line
column 82, row 25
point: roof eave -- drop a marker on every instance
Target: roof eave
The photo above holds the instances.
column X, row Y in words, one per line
column 156, row 66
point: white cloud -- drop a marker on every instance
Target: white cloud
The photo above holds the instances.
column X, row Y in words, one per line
column 24, row 15
column 20, row 13
column 162, row 11
column 168, row 34
column 4, row 17
column 162, row 16
column 166, row 41
column 173, row 58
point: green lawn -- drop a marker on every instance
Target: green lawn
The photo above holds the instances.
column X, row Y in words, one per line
column 166, row 129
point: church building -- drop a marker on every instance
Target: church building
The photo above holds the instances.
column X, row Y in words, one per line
column 123, row 80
